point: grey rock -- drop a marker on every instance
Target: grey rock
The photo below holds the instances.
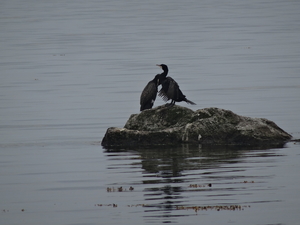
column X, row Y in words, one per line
column 163, row 126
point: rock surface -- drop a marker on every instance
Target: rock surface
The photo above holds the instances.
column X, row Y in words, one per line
column 212, row 126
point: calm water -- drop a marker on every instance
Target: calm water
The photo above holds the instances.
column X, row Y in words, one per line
column 71, row 69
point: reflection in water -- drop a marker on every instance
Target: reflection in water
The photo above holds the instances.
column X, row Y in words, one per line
column 190, row 175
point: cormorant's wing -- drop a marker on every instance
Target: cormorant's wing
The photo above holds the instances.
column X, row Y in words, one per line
column 164, row 90
column 170, row 90
column 176, row 93
column 163, row 95
column 173, row 91
column 149, row 93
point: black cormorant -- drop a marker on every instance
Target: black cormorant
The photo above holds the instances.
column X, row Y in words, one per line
column 170, row 89
column 149, row 93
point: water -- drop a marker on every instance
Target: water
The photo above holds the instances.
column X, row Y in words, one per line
column 71, row 69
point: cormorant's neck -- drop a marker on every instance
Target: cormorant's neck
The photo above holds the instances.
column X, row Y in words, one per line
column 165, row 73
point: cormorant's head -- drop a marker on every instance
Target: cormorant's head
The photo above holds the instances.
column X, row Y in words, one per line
column 164, row 67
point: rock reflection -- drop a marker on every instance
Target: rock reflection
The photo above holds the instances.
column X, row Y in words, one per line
column 172, row 177
column 170, row 162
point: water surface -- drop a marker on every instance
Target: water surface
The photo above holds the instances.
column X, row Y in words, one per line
column 71, row 69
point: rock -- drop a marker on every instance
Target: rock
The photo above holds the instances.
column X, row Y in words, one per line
column 210, row 126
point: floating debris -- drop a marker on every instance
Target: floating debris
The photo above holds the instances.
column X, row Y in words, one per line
column 199, row 185
column 119, row 189
column 6, row 210
column 194, row 208
column 247, row 182
column 142, row 205
column 109, row 189
column 116, row 205
column 113, row 205
column 216, row 207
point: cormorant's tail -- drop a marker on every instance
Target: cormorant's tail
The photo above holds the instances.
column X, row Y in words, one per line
column 190, row 102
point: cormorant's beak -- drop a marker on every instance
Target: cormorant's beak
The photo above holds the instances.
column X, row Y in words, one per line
column 158, row 65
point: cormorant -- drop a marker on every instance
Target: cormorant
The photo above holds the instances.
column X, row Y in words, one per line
column 149, row 93
column 170, row 89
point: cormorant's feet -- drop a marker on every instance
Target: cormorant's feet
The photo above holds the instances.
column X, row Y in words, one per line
column 169, row 104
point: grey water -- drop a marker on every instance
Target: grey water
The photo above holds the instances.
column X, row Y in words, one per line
column 71, row 69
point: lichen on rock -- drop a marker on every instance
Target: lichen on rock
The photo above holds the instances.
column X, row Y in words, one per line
column 160, row 118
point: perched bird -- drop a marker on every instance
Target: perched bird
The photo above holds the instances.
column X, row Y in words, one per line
column 170, row 89
column 149, row 93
